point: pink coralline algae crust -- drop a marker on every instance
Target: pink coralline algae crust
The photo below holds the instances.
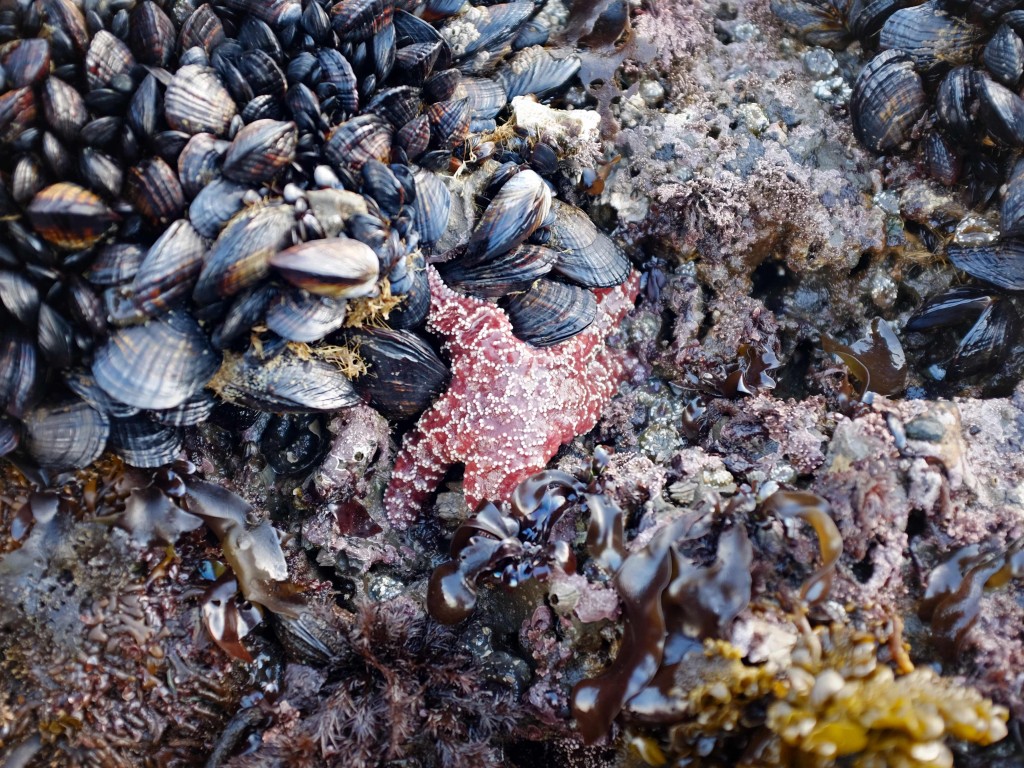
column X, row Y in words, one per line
column 510, row 405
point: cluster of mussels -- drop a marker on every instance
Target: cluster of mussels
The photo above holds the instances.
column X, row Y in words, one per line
column 947, row 74
column 197, row 198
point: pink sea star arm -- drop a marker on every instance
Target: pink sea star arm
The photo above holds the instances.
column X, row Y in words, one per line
column 509, row 405
column 419, row 467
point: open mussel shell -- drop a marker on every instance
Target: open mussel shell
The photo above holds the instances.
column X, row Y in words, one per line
column 516, row 211
column 143, row 442
column 1001, row 111
column 988, row 340
column 505, row 273
column 587, row 256
column 157, row 365
column 339, row 267
column 66, row 435
column 404, row 374
column 240, row 256
column 69, row 216
column 994, row 328
column 298, row 315
column 888, row 99
column 951, row 308
column 550, row 312
column 283, row 381
column 1000, row 264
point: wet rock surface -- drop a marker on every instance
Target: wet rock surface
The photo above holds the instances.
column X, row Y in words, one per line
column 763, row 227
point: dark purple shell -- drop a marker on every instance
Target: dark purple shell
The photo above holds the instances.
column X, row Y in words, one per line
column 888, row 99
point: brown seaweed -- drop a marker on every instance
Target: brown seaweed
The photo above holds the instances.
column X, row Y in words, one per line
column 876, row 361
column 814, row 510
column 952, row 601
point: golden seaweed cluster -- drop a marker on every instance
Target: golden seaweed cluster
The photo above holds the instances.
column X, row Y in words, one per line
column 835, row 703
column 841, row 703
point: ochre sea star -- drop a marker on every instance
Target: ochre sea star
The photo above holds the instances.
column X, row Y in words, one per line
column 510, row 405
